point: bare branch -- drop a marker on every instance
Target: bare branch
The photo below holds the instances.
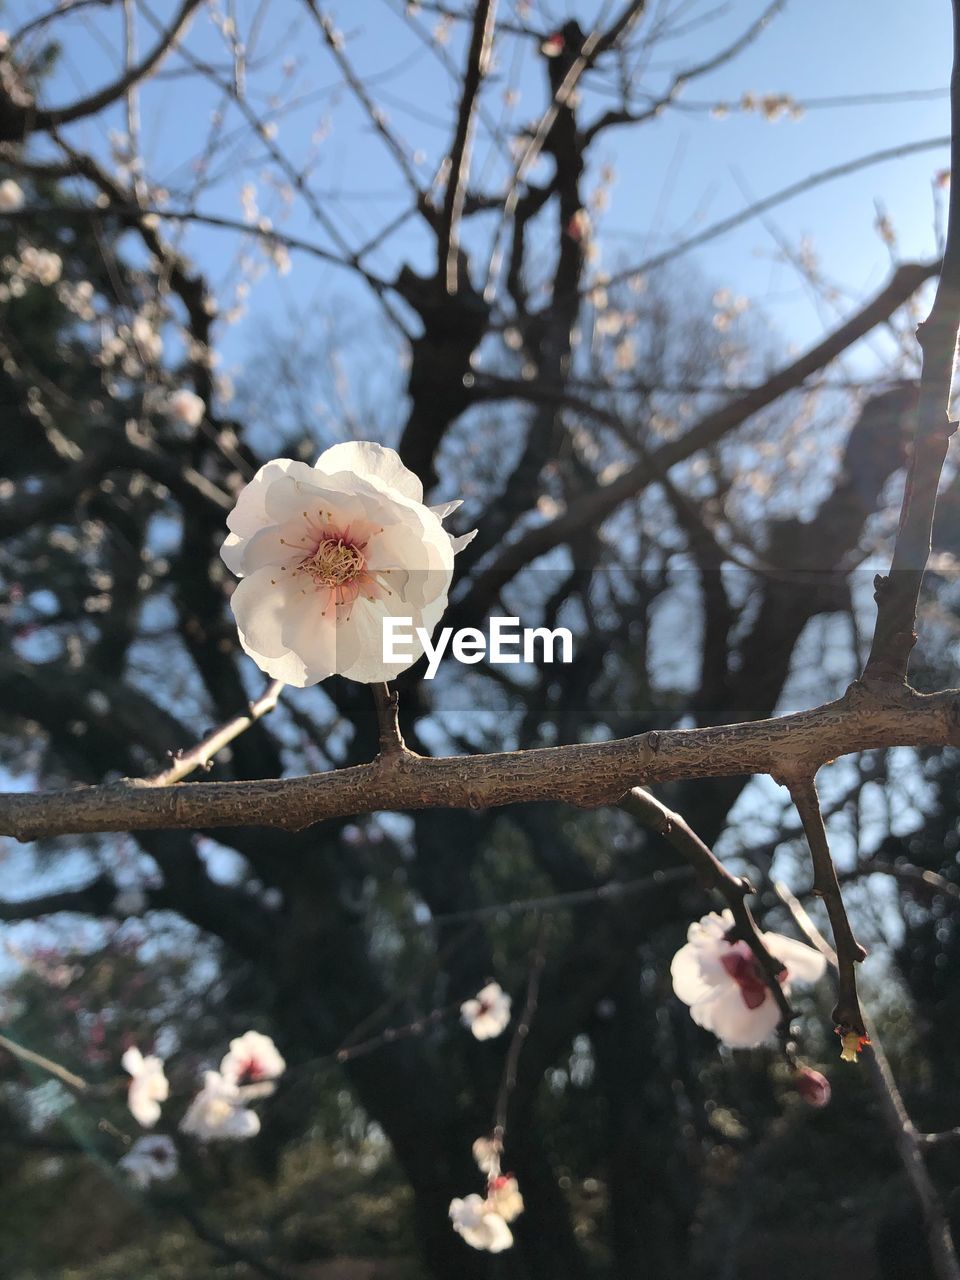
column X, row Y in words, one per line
column 387, row 705
column 201, row 756
column 587, row 774
column 74, row 1082
column 847, row 1015
column 778, row 197
column 714, row 876
column 478, row 59
column 591, row 509
column 898, row 594
column 908, row 1141
column 52, row 117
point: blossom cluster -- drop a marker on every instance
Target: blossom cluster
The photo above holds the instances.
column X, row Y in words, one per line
column 483, row 1221
column 219, row 1112
column 772, row 106
column 30, row 266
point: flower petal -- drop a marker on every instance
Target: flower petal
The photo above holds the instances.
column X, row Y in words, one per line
column 687, row 976
column 375, row 463
column 804, row 964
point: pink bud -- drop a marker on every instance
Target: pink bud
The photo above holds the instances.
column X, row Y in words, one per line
column 813, row 1087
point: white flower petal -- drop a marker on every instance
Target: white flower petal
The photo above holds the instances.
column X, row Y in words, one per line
column 726, row 1015
column 132, row 1061
column 462, row 541
column 688, row 983
column 260, row 603
column 374, row 462
column 445, row 509
column 804, row 964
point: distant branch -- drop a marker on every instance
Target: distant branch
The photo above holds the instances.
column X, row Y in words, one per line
column 51, row 118
column 898, row 594
column 478, row 59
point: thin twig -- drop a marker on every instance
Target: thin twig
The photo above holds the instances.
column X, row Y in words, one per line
column 714, row 876
column 201, row 756
column 520, row 1032
column 908, row 1141
column 898, row 594
column 388, row 704
column 74, row 1082
column 847, row 1015
column 478, row 59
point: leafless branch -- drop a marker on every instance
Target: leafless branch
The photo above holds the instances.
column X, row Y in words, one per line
column 908, row 1141
column 899, row 592
column 847, row 1015
column 587, row 774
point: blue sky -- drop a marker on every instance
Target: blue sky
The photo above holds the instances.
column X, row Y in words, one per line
column 674, row 176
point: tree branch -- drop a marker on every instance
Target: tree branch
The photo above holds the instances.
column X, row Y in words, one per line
column 478, row 59
column 201, row 756
column 908, row 1141
column 591, row 509
column 587, row 774
column 714, row 876
column 53, row 117
column 898, row 594
column 847, row 1015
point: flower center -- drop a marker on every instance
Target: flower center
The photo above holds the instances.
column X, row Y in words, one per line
column 741, row 964
column 334, row 563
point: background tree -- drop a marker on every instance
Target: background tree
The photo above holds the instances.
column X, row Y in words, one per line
column 644, row 464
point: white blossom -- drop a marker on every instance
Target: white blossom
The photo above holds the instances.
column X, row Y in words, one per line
column 503, row 1196
column 325, row 553
column 480, row 1226
column 151, row 1159
column 723, row 984
column 11, row 196
column 186, row 407
column 43, row 266
column 486, row 1152
column 252, row 1057
column 148, row 342
column 218, row 1112
column 148, row 1086
column 488, row 1014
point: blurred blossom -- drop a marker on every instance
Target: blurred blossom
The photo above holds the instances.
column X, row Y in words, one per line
column 218, row 1112
column 813, row 1087
column 185, row 407
column 152, row 1159
column 42, row 266
column 479, row 1225
column 488, row 1014
column 720, row 979
column 503, row 1195
column 11, row 196
column 486, row 1152
column 148, row 1086
column 252, row 1057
